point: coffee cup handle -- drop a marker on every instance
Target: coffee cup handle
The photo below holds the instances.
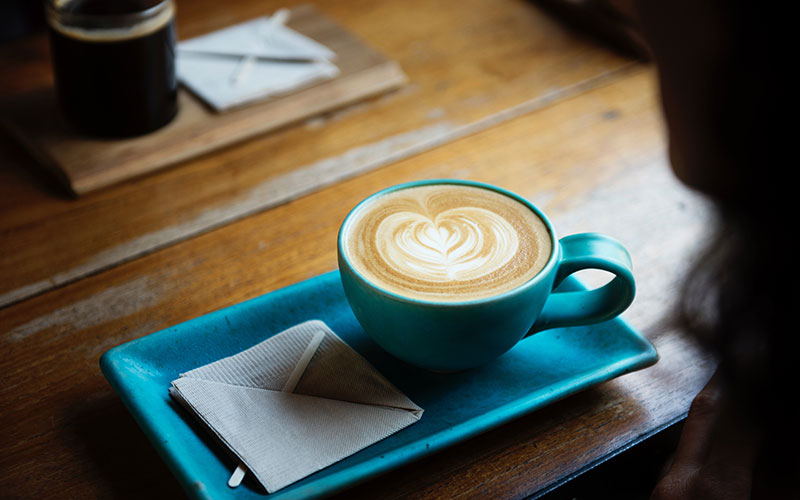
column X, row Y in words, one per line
column 575, row 308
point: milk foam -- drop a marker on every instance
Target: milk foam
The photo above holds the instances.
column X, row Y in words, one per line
column 447, row 242
column 457, row 244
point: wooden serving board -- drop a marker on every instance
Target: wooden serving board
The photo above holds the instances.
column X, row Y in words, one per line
column 86, row 164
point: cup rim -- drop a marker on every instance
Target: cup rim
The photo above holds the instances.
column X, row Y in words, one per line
column 65, row 20
column 451, row 304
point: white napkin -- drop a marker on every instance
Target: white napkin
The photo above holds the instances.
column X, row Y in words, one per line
column 252, row 61
column 335, row 407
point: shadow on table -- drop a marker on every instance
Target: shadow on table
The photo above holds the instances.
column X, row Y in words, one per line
column 130, row 467
column 630, row 475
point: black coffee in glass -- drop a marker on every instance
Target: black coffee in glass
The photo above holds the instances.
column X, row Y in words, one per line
column 114, row 64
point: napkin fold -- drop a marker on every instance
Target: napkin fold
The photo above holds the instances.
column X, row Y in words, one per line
column 338, row 405
column 250, row 61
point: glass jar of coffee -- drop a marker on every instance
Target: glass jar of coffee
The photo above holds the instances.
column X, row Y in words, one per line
column 114, row 64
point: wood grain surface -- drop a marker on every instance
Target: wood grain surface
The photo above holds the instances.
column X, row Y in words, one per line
column 592, row 155
column 468, row 70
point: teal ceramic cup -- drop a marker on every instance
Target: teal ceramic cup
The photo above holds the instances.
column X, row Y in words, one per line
column 454, row 336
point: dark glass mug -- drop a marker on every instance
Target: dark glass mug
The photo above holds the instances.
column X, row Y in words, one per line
column 114, row 64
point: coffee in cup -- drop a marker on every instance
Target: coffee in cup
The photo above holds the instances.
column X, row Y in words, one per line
column 114, row 64
column 449, row 274
column 446, row 242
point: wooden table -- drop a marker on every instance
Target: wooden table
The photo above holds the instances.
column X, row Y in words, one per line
column 498, row 92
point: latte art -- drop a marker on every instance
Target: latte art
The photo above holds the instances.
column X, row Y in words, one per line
column 447, row 242
column 458, row 244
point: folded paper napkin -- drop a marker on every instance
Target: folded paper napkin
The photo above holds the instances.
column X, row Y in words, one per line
column 251, row 61
column 295, row 403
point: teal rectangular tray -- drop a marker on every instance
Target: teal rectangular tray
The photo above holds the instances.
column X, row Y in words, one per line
column 536, row 372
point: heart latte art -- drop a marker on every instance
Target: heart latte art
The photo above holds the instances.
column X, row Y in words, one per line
column 446, row 242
